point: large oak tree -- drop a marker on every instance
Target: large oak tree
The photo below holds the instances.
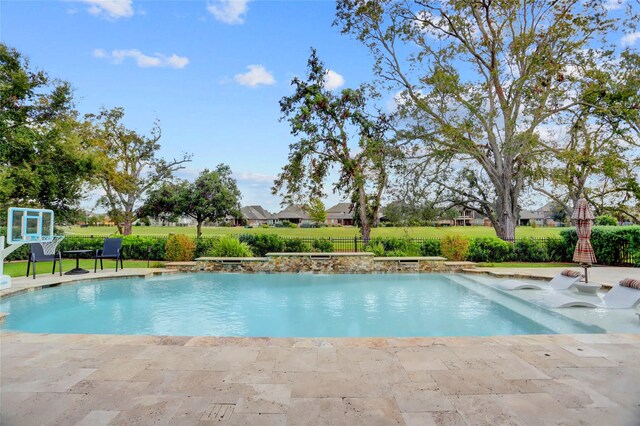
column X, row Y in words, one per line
column 44, row 161
column 213, row 196
column 335, row 130
column 476, row 80
column 128, row 165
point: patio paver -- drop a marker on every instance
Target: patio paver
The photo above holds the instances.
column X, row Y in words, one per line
column 520, row 380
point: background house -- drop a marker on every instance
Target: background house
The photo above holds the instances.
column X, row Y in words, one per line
column 256, row 216
column 466, row 217
column 340, row 214
column 294, row 213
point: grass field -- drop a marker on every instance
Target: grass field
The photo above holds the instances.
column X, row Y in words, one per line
column 414, row 232
column 19, row 269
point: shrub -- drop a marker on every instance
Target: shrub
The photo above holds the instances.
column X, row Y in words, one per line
column 532, row 223
column 204, row 245
column 295, row 245
column 230, row 247
column 454, row 247
column 489, row 249
column 179, row 248
column 606, row 220
column 556, row 250
column 608, row 243
column 530, row 250
column 322, row 245
column 135, row 247
column 430, row 248
column 264, row 226
column 262, row 244
column 375, row 247
column 293, row 225
column 400, row 246
column 395, row 253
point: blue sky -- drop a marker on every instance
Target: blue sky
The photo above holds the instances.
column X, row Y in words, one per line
column 211, row 72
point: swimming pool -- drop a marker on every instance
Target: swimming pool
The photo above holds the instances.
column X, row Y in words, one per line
column 284, row 305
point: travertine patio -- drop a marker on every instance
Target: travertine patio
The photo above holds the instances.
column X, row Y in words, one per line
column 94, row 380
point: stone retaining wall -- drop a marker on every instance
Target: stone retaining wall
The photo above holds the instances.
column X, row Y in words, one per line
column 325, row 263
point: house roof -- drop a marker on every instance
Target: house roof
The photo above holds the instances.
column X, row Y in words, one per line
column 293, row 211
column 255, row 213
column 528, row 214
column 340, row 211
column 341, row 208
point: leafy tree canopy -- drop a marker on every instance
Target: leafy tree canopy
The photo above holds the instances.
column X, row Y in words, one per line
column 44, row 160
column 476, row 81
column 128, row 164
column 335, row 130
column 213, row 196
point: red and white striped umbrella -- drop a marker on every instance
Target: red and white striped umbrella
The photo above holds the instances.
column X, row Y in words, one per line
column 583, row 219
column 584, row 251
column 582, row 211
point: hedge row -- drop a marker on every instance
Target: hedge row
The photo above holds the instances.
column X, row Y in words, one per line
column 612, row 245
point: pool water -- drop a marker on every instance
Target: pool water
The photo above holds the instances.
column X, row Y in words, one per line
column 283, row 305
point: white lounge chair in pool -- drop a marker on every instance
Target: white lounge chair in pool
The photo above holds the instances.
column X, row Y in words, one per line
column 619, row 297
column 559, row 282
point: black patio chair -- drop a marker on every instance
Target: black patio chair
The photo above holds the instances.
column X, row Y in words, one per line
column 37, row 255
column 111, row 249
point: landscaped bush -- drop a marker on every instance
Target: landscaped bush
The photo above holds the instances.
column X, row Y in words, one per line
column 323, row 245
column 262, row 244
column 454, row 247
column 229, row 247
column 608, row 242
column 556, row 250
column 295, row 245
column 530, row 250
column 135, row 247
column 430, row 248
column 204, row 245
column 489, row 249
column 179, row 248
column 606, row 220
column 375, row 247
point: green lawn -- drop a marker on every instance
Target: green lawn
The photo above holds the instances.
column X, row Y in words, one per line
column 415, row 232
column 19, row 269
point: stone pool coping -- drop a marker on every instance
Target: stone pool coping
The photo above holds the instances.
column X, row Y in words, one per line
column 99, row 379
column 25, row 284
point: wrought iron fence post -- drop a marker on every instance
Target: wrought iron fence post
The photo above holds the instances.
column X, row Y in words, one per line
column 355, row 243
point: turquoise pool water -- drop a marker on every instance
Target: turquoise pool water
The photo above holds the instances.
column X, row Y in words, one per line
column 283, row 305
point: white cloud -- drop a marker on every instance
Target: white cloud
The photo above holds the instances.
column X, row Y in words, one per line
column 256, row 75
column 251, row 177
column 614, row 4
column 630, row 39
column 229, row 11
column 112, row 9
column 100, row 53
column 157, row 60
column 333, row 80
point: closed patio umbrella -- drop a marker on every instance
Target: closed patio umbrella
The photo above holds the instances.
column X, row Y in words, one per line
column 583, row 219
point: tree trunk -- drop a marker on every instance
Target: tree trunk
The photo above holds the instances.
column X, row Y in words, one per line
column 365, row 225
column 506, row 215
column 199, row 228
column 127, row 226
column 127, row 223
